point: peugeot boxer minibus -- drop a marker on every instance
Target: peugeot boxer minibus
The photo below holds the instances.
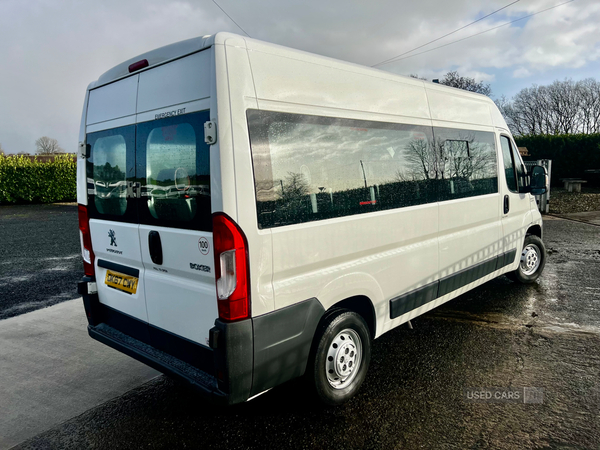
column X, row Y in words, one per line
column 251, row 213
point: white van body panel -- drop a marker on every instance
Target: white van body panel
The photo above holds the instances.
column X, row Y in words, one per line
column 497, row 118
column 316, row 81
column 81, row 170
column 181, row 81
column 241, row 97
column 179, row 297
column 126, row 252
column 453, row 105
column 399, row 254
column 114, row 101
column 469, row 232
column 110, row 124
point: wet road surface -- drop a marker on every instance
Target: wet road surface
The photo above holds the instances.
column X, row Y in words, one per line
column 501, row 334
column 40, row 257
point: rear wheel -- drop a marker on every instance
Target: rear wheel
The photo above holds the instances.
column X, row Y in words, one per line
column 341, row 357
column 532, row 261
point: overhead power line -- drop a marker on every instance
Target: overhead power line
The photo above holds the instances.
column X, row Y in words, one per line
column 477, row 34
column 230, row 18
column 446, row 35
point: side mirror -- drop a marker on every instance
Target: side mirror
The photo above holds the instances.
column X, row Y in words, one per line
column 539, row 180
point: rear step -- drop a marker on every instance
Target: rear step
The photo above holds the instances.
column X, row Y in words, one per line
column 157, row 359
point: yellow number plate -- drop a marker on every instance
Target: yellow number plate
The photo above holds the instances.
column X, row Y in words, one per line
column 121, row 282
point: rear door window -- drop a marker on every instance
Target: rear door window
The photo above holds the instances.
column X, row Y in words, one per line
column 111, row 165
column 173, row 168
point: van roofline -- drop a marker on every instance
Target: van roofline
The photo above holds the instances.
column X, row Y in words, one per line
column 155, row 58
column 167, row 53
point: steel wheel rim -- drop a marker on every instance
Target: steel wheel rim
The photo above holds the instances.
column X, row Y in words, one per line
column 530, row 259
column 344, row 357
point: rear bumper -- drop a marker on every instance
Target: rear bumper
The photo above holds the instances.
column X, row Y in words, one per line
column 222, row 372
column 245, row 358
column 204, row 382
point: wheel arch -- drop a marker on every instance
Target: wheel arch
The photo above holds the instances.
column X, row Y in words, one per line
column 535, row 230
column 362, row 305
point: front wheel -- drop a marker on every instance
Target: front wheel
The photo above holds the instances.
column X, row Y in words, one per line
column 532, row 262
column 340, row 360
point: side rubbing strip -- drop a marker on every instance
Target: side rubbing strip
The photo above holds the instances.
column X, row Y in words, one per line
column 466, row 276
column 412, row 300
column 419, row 297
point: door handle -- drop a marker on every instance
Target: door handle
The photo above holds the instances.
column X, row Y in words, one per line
column 155, row 247
column 506, row 204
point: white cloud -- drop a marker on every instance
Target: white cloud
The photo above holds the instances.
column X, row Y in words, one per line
column 521, row 72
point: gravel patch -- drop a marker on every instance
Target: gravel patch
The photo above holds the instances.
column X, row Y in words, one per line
column 40, row 259
column 563, row 202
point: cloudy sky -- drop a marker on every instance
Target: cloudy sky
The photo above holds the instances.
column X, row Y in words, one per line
column 51, row 49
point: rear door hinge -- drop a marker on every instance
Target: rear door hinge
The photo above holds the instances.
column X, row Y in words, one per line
column 210, row 132
column 81, row 151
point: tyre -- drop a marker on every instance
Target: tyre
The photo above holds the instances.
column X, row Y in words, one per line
column 532, row 262
column 340, row 357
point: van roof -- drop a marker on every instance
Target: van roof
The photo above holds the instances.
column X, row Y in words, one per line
column 156, row 57
column 180, row 49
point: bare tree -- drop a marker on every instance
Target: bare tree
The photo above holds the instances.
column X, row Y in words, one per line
column 468, row 84
column 563, row 107
column 421, row 159
column 1, row 150
column 294, row 187
column 47, row 146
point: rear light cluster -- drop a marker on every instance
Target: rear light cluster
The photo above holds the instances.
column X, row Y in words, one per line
column 86, row 241
column 231, row 269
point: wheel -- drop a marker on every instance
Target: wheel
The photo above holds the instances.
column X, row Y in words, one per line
column 340, row 357
column 533, row 260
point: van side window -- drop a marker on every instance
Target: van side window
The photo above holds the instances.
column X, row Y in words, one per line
column 310, row 168
column 107, row 169
column 509, row 166
column 467, row 163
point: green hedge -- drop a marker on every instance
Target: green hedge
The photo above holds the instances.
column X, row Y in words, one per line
column 571, row 154
column 23, row 180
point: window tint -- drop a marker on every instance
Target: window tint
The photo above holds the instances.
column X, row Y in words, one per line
column 467, row 163
column 509, row 168
column 311, row 168
column 173, row 160
column 107, row 170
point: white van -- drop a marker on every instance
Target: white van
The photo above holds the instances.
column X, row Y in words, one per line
column 251, row 213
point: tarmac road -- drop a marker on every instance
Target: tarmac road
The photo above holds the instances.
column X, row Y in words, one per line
column 502, row 334
column 40, row 257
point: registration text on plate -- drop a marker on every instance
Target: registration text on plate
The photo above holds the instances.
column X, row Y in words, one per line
column 121, row 282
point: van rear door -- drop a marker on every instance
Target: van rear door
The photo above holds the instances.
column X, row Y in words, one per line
column 112, row 205
column 176, row 225
column 173, row 167
column 149, row 201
